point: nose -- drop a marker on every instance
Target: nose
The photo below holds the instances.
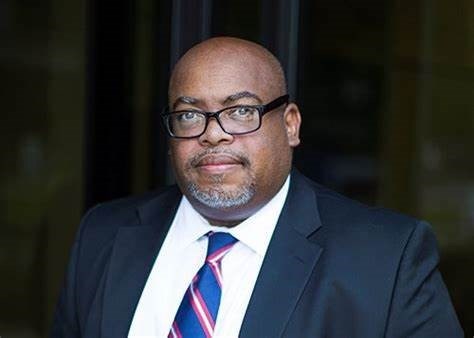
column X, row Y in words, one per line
column 214, row 134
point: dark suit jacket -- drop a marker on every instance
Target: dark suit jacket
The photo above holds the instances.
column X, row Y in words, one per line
column 334, row 268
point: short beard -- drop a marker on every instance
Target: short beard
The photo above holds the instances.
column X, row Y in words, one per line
column 218, row 198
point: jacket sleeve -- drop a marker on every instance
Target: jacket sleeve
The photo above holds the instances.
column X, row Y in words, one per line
column 65, row 320
column 421, row 306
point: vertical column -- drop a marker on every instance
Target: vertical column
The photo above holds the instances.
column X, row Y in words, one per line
column 280, row 32
column 109, row 92
column 64, row 194
column 398, row 160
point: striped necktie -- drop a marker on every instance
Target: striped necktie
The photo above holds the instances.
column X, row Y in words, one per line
column 196, row 316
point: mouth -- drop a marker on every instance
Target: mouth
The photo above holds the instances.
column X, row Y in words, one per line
column 218, row 163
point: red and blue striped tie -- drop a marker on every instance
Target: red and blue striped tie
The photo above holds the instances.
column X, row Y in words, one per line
column 196, row 316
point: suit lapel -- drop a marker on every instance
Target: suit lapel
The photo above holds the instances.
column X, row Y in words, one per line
column 288, row 264
column 134, row 252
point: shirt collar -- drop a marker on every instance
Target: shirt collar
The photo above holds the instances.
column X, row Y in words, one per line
column 255, row 232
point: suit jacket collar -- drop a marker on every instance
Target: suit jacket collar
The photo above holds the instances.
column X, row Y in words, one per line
column 133, row 255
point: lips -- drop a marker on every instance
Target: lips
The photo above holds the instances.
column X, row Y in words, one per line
column 216, row 160
column 213, row 164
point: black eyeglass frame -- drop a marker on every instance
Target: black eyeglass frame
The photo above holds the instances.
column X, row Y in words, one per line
column 262, row 110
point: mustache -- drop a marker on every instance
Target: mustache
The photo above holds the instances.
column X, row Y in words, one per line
column 194, row 161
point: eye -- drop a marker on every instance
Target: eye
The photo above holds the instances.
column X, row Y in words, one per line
column 188, row 116
column 243, row 112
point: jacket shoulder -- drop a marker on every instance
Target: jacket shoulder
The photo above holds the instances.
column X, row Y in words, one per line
column 123, row 211
column 342, row 213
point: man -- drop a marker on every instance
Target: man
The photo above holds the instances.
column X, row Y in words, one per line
column 294, row 259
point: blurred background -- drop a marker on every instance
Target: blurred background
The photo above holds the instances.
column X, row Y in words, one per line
column 386, row 89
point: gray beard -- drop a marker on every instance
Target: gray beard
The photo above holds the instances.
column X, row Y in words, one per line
column 218, row 198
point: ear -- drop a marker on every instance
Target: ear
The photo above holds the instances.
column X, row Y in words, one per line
column 292, row 120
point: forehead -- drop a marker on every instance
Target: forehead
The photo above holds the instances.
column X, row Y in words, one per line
column 221, row 74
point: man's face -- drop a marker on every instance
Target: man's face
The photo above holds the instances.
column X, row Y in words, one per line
column 226, row 177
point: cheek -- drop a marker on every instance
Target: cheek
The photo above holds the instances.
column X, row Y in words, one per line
column 269, row 152
column 180, row 154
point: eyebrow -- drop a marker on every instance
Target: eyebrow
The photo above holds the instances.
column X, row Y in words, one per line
column 185, row 100
column 229, row 99
column 241, row 95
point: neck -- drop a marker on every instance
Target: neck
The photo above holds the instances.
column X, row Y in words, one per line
column 226, row 217
column 226, row 224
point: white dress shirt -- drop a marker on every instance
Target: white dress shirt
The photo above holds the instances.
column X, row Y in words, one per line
column 183, row 253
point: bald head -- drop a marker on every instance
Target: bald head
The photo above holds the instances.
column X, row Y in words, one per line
column 230, row 54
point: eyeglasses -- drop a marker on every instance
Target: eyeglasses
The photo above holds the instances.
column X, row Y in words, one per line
column 235, row 120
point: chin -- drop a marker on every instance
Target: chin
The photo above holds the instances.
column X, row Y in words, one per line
column 221, row 196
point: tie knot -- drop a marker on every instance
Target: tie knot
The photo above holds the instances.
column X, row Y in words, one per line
column 219, row 244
